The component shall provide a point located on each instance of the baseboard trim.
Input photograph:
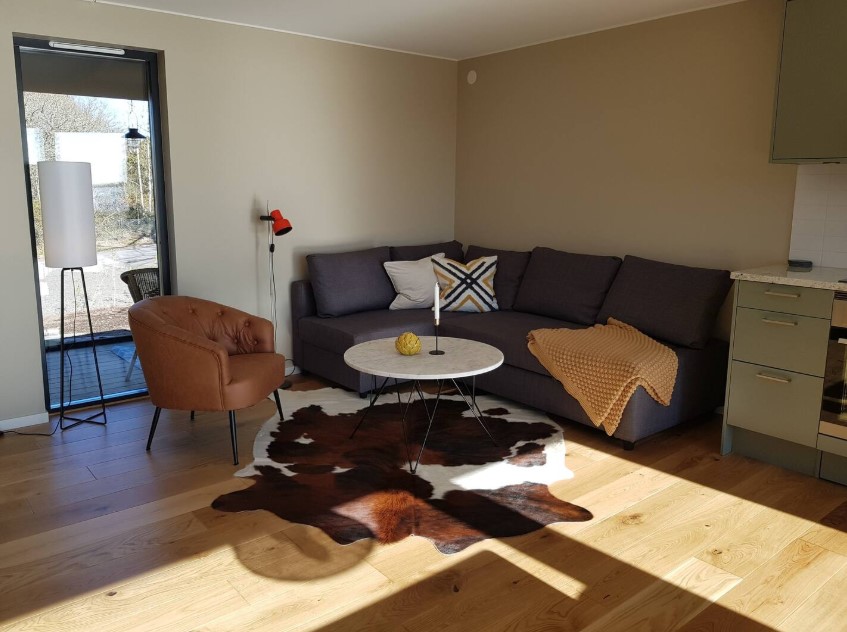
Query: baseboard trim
(23, 422)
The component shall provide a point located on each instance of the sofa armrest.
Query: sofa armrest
(302, 305)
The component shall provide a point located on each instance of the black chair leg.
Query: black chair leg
(192, 415)
(233, 434)
(278, 404)
(153, 427)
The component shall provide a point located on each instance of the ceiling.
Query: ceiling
(452, 29)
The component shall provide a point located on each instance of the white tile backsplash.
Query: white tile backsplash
(835, 227)
(819, 229)
(814, 227)
(834, 243)
(834, 259)
(808, 242)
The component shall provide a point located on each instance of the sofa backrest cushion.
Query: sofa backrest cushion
(565, 285)
(349, 282)
(674, 303)
(511, 266)
(451, 249)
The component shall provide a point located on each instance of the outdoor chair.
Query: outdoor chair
(142, 283)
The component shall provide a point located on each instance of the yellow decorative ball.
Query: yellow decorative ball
(408, 343)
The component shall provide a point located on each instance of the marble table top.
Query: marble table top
(462, 358)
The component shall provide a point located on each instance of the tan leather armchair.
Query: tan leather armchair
(200, 355)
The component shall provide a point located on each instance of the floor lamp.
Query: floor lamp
(277, 226)
(67, 215)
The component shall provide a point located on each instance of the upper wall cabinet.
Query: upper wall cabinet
(811, 111)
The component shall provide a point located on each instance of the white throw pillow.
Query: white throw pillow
(413, 281)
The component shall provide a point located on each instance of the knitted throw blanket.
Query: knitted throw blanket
(602, 366)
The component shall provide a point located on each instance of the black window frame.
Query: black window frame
(152, 59)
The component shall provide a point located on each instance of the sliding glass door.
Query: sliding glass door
(97, 105)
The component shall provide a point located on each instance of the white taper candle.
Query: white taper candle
(437, 303)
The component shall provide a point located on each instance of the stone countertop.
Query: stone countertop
(818, 277)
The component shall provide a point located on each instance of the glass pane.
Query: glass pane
(92, 129)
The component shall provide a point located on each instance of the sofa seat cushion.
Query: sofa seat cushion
(507, 331)
(673, 303)
(565, 285)
(339, 334)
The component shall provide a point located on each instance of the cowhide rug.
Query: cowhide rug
(308, 470)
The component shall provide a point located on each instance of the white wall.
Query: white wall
(356, 145)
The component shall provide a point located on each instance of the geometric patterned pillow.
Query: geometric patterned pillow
(467, 287)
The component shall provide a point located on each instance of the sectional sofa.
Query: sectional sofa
(346, 301)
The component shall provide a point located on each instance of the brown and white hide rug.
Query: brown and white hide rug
(308, 470)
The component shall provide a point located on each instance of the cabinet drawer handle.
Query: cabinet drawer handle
(774, 378)
(781, 294)
(784, 323)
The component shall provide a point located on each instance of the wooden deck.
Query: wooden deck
(97, 534)
(113, 371)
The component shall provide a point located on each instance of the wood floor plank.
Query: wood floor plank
(131, 554)
(279, 586)
(772, 593)
(64, 539)
(44, 482)
(789, 511)
(102, 505)
(823, 607)
(49, 501)
(16, 510)
(831, 531)
(669, 602)
(661, 552)
(152, 601)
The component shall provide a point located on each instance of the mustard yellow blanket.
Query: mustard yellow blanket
(602, 366)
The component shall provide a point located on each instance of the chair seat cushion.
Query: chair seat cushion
(339, 334)
(254, 377)
(507, 331)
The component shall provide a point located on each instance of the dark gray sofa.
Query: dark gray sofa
(542, 289)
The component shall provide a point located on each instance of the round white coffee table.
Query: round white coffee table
(460, 358)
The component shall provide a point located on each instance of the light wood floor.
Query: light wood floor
(96, 534)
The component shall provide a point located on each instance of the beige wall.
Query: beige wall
(651, 139)
(356, 144)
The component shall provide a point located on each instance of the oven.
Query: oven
(834, 404)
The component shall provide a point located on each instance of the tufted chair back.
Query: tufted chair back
(236, 331)
(194, 353)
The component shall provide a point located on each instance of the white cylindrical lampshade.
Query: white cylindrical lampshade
(67, 214)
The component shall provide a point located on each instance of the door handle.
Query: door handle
(773, 378)
(784, 323)
(781, 294)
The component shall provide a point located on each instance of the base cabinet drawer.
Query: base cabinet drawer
(778, 403)
(786, 341)
(786, 299)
